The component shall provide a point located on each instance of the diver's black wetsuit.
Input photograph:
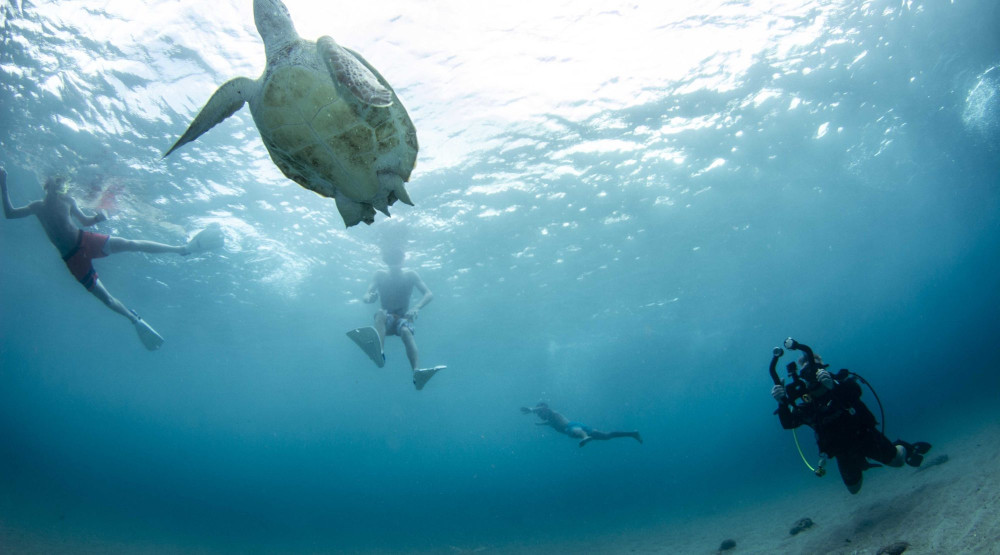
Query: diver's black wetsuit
(845, 429)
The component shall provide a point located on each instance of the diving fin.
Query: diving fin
(367, 338)
(147, 334)
(422, 375)
(210, 238)
(914, 451)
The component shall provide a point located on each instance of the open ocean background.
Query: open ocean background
(621, 207)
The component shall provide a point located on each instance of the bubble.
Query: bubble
(982, 105)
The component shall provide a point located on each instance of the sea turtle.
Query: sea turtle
(329, 120)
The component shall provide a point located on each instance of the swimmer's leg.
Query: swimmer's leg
(147, 334)
(380, 317)
(612, 435)
(118, 244)
(411, 347)
(99, 291)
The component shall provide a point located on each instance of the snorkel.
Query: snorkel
(56, 185)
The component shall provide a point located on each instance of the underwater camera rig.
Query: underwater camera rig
(802, 381)
(797, 388)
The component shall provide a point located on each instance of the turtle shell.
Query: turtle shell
(326, 140)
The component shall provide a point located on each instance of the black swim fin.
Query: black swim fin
(915, 451)
(915, 457)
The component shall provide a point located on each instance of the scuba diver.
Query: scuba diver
(831, 405)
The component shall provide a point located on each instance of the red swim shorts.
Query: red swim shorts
(88, 246)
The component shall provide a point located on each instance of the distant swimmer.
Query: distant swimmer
(573, 429)
(394, 287)
(56, 212)
(831, 405)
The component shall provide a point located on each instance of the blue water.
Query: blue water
(629, 258)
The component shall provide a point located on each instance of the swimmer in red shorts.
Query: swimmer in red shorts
(78, 248)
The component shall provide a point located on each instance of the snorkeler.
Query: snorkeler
(573, 429)
(832, 407)
(394, 287)
(78, 248)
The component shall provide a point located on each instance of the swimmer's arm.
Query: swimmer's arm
(372, 294)
(9, 210)
(535, 410)
(428, 296)
(97, 218)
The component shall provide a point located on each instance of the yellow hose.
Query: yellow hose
(799, 447)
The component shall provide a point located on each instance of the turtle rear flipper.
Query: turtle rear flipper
(354, 212)
(391, 185)
(352, 74)
(225, 102)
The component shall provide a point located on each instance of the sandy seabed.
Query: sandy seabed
(950, 505)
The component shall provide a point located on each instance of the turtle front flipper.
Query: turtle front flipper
(352, 74)
(225, 102)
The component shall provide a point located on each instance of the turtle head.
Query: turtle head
(273, 23)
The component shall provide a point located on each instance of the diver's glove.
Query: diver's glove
(825, 379)
(778, 392)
